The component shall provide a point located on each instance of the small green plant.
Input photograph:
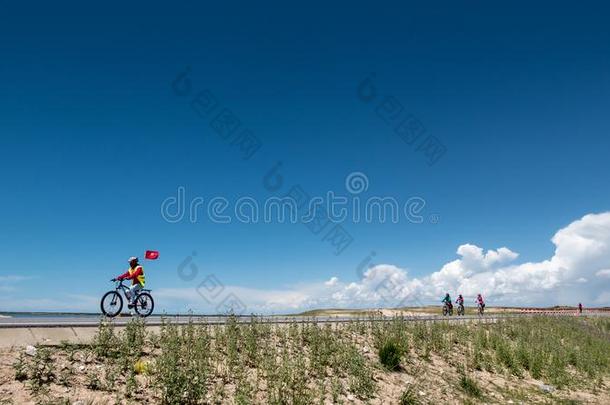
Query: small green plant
(65, 375)
(245, 391)
(390, 354)
(133, 338)
(131, 386)
(93, 381)
(470, 386)
(408, 397)
(105, 342)
(181, 369)
(360, 373)
(111, 374)
(20, 366)
(41, 372)
(336, 389)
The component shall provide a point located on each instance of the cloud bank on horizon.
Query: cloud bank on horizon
(579, 270)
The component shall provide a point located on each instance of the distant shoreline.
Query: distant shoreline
(13, 314)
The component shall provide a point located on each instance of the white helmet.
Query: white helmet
(132, 258)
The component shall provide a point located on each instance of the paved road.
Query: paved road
(92, 321)
(55, 330)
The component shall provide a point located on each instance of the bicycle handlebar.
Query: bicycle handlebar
(117, 281)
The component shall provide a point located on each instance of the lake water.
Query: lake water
(46, 314)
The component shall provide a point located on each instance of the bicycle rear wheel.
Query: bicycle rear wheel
(144, 304)
(111, 304)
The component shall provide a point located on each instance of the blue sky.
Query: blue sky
(94, 140)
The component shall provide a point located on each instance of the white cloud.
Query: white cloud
(11, 278)
(254, 300)
(74, 303)
(332, 282)
(8, 282)
(603, 273)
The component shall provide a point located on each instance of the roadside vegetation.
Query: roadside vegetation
(364, 361)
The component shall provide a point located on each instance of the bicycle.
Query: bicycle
(447, 309)
(481, 308)
(460, 310)
(112, 302)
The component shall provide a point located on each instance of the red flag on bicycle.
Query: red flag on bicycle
(151, 255)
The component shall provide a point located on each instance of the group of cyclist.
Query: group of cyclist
(448, 304)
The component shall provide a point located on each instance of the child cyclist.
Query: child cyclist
(447, 300)
(479, 301)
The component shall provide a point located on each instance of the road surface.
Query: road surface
(55, 330)
(92, 321)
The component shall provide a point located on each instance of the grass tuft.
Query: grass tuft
(470, 386)
(390, 354)
(408, 397)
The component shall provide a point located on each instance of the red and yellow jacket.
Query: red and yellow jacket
(136, 275)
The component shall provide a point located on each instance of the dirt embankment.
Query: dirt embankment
(533, 360)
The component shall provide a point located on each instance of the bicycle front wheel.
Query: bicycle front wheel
(112, 304)
(144, 305)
